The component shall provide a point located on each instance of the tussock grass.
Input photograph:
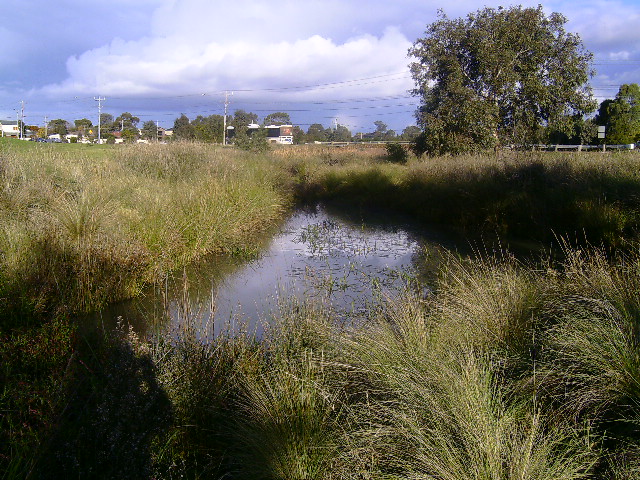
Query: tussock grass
(79, 231)
(84, 227)
(533, 196)
(506, 370)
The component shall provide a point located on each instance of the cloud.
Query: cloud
(176, 65)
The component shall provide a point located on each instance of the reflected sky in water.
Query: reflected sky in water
(341, 262)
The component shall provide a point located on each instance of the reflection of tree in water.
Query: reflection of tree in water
(114, 409)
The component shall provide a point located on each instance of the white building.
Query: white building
(10, 128)
(282, 134)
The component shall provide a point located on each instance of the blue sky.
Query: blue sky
(321, 61)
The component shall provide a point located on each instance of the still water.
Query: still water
(347, 263)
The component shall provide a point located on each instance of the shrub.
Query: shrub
(396, 153)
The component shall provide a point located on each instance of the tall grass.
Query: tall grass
(505, 370)
(80, 228)
(531, 196)
(81, 231)
(426, 388)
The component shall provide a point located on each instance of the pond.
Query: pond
(346, 262)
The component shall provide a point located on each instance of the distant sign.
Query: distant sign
(601, 132)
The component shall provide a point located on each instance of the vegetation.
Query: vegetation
(621, 116)
(534, 363)
(531, 196)
(498, 77)
(504, 371)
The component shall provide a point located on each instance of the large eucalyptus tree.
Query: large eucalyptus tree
(498, 77)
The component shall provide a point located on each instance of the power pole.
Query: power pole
(46, 127)
(157, 128)
(22, 118)
(224, 123)
(99, 100)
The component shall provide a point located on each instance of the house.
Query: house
(282, 134)
(10, 128)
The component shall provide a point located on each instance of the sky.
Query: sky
(327, 62)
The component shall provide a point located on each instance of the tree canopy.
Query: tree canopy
(182, 128)
(149, 130)
(242, 119)
(59, 126)
(277, 118)
(498, 77)
(621, 116)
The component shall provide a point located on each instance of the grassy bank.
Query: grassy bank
(507, 371)
(83, 226)
(532, 196)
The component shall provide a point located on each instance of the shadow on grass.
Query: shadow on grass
(114, 411)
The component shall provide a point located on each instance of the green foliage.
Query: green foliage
(126, 120)
(182, 128)
(59, 126)
(533, 196)
(316, 133)
(396, 153)
(340, 134)
(277, 118)
(621, 116)
(149, 130)
(253, 142)
(410, 133)
(480, 90)
(208, 129)
(242, 119)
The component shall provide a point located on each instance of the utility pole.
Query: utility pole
(224, 123)
(99, 100)
(157, 128)
(46, 127)
(22, 118)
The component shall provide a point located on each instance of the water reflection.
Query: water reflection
(344, 262)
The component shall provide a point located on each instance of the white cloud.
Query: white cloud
(175, 64)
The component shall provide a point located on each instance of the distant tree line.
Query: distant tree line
(209, 129)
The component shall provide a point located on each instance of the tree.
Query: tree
(126, 120)
(182, 128)
(82, 124)
(410, 133)
(106, 123)
(621, 116)
(208, 129)
(242, 119)
(497, 77)
(277, 118)
(149, 130)
(316, 133)
(256, 141)
(381, 130)
(59, 126)
(299, 137)
(340, 134)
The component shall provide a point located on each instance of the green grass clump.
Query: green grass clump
(506, 370)
(529, 196)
